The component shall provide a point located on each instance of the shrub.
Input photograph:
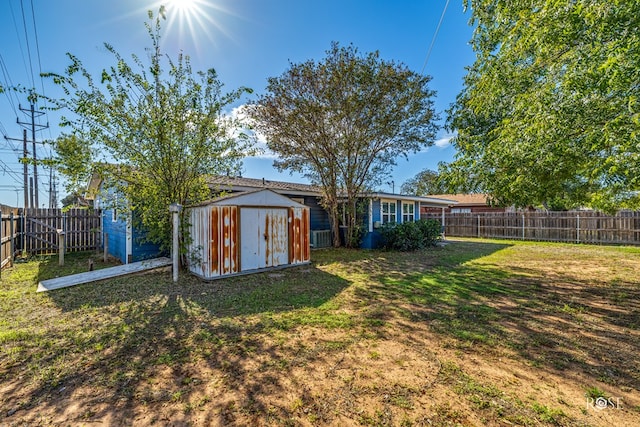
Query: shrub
(410, 236)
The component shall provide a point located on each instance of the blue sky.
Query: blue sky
(246, 41)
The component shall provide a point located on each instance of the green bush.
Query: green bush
(410, 236)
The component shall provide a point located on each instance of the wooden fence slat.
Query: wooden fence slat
(35, 230)
(570, 226)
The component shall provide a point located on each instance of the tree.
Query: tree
(73, 159)
(550, 110)
(425, 182)
(343, 121)
(153, 135)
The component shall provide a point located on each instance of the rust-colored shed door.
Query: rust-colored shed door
(264, 238)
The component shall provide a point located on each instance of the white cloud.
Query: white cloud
(445, 140)
(259, 141)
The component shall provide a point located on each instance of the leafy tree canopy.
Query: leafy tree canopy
(152, 127)
(550, 110)
(425, 182)
(343, 121)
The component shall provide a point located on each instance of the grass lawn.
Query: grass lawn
(479, 332)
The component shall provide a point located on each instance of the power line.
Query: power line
(7, 170)
(26, 36)
(15, 27)
(435, 34)
(35, 32)
(8, 83)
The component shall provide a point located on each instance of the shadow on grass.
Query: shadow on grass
(224, 348)
(136, 340)
(558, 322)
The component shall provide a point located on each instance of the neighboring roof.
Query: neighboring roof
(434, 201)
(256, 198)
(93, 186)
(465, 199)
(234, 183)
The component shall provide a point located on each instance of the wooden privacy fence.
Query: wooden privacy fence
(571, 226)
(8, 227)
(38, 231)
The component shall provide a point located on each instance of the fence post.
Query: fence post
(105, 245)
(12, 245)
(23, 224)
(577, 228)
(61, 247)
(478, 225)
(174, 208)
(1, 243)
(522, 226)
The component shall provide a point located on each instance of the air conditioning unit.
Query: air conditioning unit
(320, 238)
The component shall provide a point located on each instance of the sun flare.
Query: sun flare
(196, 21)
(183, 6)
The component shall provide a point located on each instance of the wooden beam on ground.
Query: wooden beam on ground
(105, 273)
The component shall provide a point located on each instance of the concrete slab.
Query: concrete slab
(105, 273)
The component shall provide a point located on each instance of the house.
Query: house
(388, 207)
(247, 232)
(124, 241)
(382, 207)
(465, 203)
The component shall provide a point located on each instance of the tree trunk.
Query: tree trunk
(334, 222)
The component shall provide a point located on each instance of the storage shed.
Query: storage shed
(247, 232)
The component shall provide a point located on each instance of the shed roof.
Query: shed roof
(257, 198)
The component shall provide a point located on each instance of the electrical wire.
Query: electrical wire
(11, 173)
(8, 83)
(26, 36)
(435, 35)
(35, 32)
(15, 27)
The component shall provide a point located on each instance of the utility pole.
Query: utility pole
(25, 170)
(54, 203)
(33, 125)
(50, 187)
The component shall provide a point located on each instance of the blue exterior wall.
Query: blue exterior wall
(318, 217)
(142, 250)
(117, 235)
(372, 240)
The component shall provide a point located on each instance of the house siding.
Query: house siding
(117, 235)
(142, 249)
(372, 239)
(318, 217)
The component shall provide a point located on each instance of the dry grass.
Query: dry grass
(475, 333)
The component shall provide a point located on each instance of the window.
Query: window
(298, 200)
(114, 209)
(460, 210)
(388, 211)
(408, 212)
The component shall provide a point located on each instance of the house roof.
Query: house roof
(234, 183)
(433, 201)
(465, 199)
(93, 186)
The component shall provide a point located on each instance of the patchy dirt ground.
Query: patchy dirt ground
(475, 333)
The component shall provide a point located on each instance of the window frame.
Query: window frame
(391, 216)
(408, 216)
